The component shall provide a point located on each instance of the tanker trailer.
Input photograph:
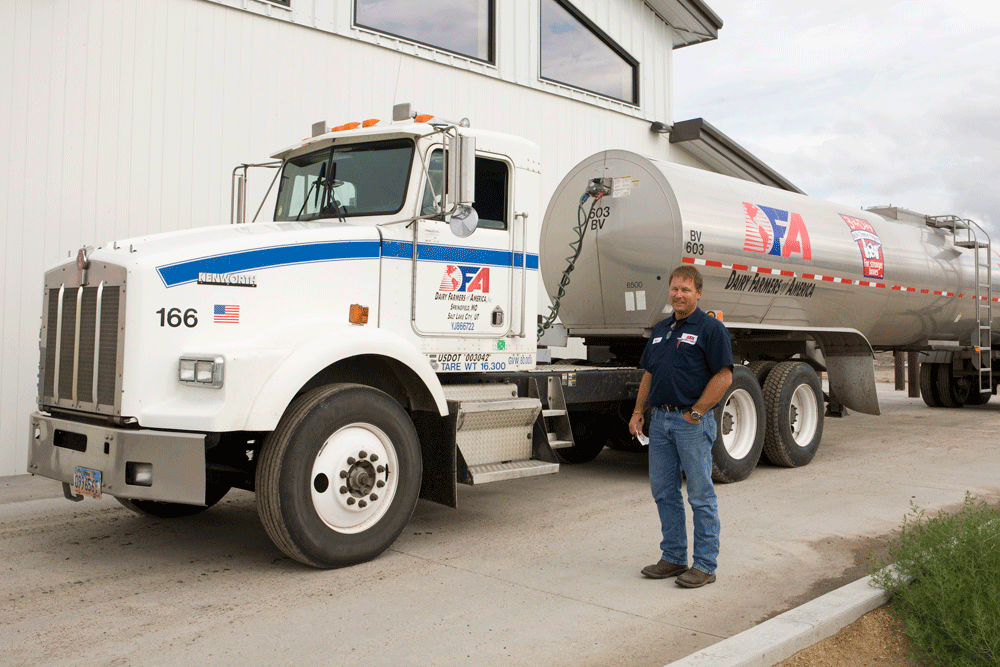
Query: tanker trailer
(803, 285)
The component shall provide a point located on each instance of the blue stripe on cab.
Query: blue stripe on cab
(265, 258)
(185, 272)
(433, 252)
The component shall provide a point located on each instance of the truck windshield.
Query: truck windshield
(345, 181)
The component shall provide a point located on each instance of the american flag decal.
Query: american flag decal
(227, 314)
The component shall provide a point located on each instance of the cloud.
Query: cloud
(861, 102)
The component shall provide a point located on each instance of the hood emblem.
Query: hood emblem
(83, 263)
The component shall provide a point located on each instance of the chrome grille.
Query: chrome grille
(82, 340)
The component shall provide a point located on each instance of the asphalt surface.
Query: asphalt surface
(540, 571)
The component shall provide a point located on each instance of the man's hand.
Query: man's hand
(635, 424)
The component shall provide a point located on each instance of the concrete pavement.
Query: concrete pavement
(527, 572)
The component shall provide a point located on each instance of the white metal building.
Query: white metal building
(124, 119)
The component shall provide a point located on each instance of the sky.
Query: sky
(860, 102)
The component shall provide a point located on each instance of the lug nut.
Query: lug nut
(374, 458)
(350, 501)
(380, 469)
(343, 489)
(362, 455)
(362, 503)
(373, 497)
(380, 484)
(343, 474)
(351, 460)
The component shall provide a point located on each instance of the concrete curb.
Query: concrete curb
(783, 636)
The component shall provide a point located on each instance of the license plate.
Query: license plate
(87, 482)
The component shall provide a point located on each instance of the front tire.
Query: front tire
(338, 479)
(794, 399)
(740, 438)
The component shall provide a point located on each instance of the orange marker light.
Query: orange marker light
(370, 122)
(359, 314)
(346, 126)
(422, 118)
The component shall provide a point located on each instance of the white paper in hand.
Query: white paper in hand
(643, 440)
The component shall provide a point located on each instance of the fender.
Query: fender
(296, 369)
(845, 354)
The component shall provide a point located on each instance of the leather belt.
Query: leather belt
(674, 408)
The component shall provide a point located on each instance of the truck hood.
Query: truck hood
(179, 257)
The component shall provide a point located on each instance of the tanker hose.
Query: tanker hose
(576, 246)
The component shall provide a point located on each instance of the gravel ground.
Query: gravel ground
(877, 638)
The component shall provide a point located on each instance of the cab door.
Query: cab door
(463, 286)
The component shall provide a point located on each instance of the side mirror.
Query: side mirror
(461, 171)
(463, 221)
(461, 187)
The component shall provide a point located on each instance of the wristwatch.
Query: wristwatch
(695, 415)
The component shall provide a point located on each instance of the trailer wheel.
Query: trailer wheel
(740, 438)
(978, 397)
(794, 399)
(338, 479)
(952, 391)
(214, 492)
(928, 385)
(760, 370)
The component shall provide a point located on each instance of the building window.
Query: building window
(465, 27)
(577, 53)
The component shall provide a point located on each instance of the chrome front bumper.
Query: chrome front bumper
(58, 446)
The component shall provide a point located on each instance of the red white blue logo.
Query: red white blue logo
(465, 279)
(872, 260)
(775, 232)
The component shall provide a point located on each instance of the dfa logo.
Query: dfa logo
(465, 279)
(775, 232)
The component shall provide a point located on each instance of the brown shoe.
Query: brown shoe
(663, 569)
(695, 578)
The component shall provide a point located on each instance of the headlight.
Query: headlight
(204, 371)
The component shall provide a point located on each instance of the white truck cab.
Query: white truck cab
(336, 359)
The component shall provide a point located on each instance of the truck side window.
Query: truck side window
(491, 193)
(491, 190)
(434, 187)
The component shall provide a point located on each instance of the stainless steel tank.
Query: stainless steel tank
(768, 256)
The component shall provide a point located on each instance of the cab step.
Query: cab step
(495, 434)
(495, 472)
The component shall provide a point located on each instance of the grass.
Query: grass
(944, 584)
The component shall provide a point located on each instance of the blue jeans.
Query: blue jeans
(676, 445)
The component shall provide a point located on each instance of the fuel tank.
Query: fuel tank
(768, 257)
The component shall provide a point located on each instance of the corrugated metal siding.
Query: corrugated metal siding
(124, 119)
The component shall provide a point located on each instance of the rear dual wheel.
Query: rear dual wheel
(941, 388)
(783, 419)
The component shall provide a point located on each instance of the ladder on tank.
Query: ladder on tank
(968, 234)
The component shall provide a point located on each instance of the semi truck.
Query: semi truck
(377, 340)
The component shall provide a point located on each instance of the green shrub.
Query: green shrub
(944, 584)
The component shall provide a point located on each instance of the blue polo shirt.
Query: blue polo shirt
(684, 359)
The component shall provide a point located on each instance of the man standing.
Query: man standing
(689, 366)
